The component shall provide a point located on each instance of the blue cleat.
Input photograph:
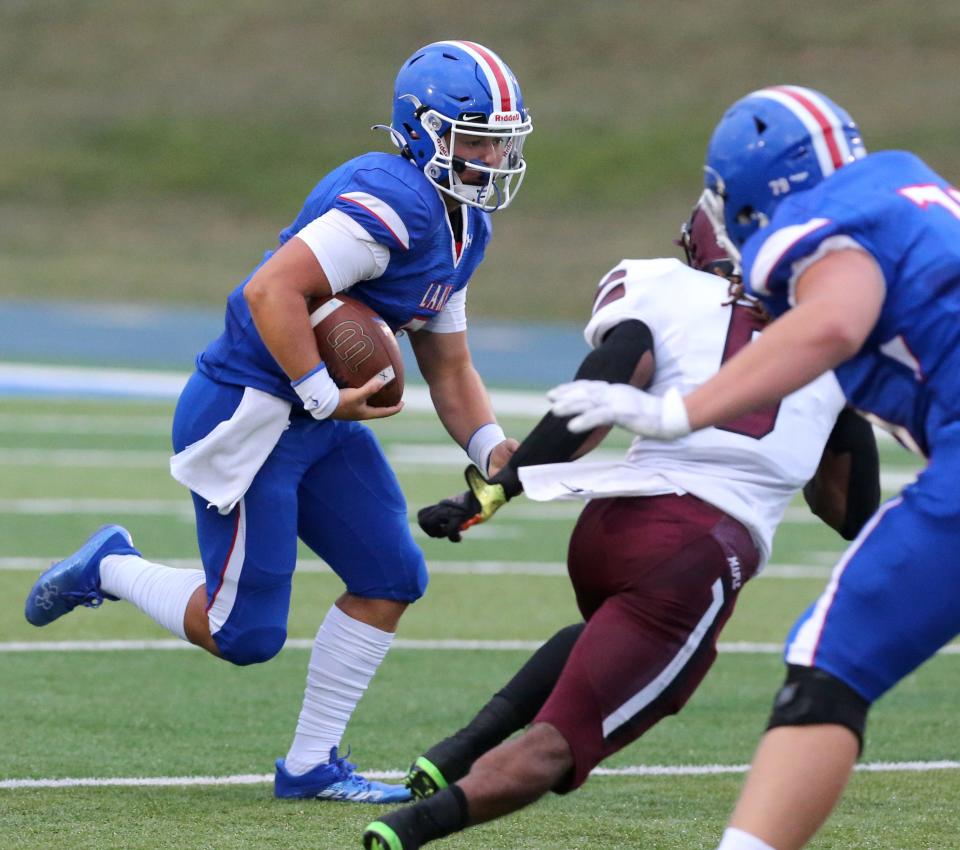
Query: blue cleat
(76, 579)
(335, 780)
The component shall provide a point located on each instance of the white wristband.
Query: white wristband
(482, 443)
(318, 392)
(673, 415)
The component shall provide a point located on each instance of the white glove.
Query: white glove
(600, 403)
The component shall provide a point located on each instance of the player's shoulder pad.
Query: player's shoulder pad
(838, 212)
(630, 277)
(631, 290)
(769, 254)
(391, 199)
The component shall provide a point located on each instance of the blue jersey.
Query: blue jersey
(392, 200)
(907, 374)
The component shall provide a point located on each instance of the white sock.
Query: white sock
(162, 593)
(345, 655)
(737, 839)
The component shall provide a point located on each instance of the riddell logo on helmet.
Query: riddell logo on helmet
(506, 118)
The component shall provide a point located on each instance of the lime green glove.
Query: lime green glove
(451, 516)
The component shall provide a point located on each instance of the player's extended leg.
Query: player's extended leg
(509, 777)
(508, 711)
(76, 580)
(892, 602)
(196, 604)
(248, 554)
(353, 515)
(822, 758)
(655, 578)
(108, 567)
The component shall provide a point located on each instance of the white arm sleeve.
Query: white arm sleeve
(345, 251)
(453, 317)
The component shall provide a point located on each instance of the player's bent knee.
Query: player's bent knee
(811, 696)
(408, 579)
(253, 646)
(415, 570)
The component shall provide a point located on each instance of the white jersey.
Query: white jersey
(751, 467)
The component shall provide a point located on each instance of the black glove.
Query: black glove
(451, 516)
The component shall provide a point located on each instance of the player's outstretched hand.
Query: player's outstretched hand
(594, 403)
(451, 516)
(353, 403)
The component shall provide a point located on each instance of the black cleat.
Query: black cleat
(424, 779)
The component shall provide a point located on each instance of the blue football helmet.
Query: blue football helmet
(772, 143)
(454, 88)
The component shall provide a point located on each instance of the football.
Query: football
(356, 344)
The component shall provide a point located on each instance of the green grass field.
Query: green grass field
(108, 714)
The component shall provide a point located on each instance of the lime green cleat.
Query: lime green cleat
(379, 836)
(424, 779)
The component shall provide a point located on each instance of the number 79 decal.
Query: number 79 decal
(744, 323)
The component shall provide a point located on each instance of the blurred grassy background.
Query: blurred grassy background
(151, 152)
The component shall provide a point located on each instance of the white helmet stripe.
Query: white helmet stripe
(499, 79)
(822, 122)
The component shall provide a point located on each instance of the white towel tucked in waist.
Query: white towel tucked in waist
(222, 465)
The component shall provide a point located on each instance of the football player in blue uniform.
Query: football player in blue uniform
(272, 448)
(859, 256)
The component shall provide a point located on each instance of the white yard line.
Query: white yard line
(556, 512)
(732, 647)
(292, 643)
(53, 507)
(30, 379)
(474, 568)
(401, 455)
(79, 423)
(267, 778)
(85, 458)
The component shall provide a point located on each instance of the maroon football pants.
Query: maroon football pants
(656, 578)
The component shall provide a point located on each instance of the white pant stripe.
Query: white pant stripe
(643, 698)
(226, 594)
(803, 649)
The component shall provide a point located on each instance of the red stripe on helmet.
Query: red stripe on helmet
(498, 74)
(829, 130)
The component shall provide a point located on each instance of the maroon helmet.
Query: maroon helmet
(703, 242)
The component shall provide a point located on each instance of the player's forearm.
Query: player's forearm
(461, 401)
(280, 316)
(838, 302)
(791, 352)
(625, 356)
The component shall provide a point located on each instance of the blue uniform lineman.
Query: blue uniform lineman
(905, 376)
(859, 257)
(273, 450)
